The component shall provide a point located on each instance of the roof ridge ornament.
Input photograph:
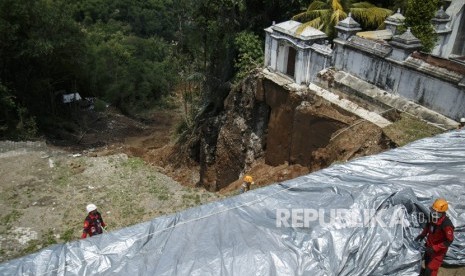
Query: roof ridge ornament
(396, 18)
(347, 27)
(348, 22)
(441, 14)
(407, 38)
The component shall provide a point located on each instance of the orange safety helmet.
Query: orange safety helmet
(440, 205)
(248, 179)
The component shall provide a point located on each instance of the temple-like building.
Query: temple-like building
(389, 59)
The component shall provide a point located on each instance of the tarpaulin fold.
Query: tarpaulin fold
(356, 218)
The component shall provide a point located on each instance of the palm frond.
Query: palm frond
(317, 5)
(336, 16)
(336, 5)
(316, 23)
(372, 17)
(362, 5)
(382, 26)
(346, 4)
(301, 16)
(325, 14)
(310, 15)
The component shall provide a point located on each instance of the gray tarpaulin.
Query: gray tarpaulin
(357, 218)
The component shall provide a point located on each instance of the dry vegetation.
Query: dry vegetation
(44, 192)
(409, 129)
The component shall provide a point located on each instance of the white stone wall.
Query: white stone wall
(268, 54)
(433, 91)
(438, 92)
(283, 52)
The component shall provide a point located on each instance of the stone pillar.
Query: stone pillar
(281, 57)
(440, 23)
(440, 20)
(268, 43)
(299, 73)
(274, 55)
(403, 45)
(270, 49)
(394, 21)
(347, 28)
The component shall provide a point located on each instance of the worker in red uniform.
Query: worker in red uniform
(439, 233)
(93, 224)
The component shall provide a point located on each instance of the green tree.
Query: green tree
(41, 49)
(145, 17)
(211, 37)
(259, 14)
(418, 16)
(250, 55)
(129, 71)
(325, 15)
(390, 4)
(7, 107)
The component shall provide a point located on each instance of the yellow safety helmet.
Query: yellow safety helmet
(440, 205)
(248, 179)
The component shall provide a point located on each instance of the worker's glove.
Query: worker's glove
(419, 238)
(429, 251)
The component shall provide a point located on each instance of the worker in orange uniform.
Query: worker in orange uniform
(93, 224)
(439, 233)
(248, 181)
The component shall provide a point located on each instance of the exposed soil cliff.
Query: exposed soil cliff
(264, 122)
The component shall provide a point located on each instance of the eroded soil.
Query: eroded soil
(44, 189)
(120, 164)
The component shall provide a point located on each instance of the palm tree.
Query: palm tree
(324, 15)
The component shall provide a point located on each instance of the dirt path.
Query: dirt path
(160, 131)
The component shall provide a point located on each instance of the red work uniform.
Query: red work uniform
(439, 236)
(93, 224)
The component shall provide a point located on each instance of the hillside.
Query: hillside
(45, 188)
(130, 169)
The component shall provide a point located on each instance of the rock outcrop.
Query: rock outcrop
(280, 124)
